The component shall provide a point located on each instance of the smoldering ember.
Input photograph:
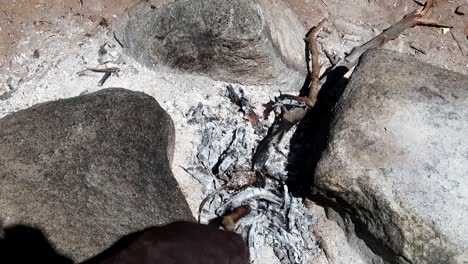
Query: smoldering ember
(234, 131)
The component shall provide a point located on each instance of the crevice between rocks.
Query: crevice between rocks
(308, 143)
(307, 146)
(358, 234)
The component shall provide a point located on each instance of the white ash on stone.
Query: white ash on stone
(276, 221)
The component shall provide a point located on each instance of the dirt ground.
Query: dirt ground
(18, 17)
(44, 43)
(359, 20)
(355, 21)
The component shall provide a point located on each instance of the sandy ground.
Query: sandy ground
(356, 21)
(43, 44)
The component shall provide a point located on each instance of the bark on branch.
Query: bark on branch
(409, 21)
(291, 114)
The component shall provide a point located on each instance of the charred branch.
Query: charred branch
(245, 106)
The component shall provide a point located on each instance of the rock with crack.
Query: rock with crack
(90, 169)
(397, 163)
(244, 41)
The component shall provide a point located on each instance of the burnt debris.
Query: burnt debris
(223, 164)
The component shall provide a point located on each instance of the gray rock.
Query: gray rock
(245, 41)
(397, 160)
(90, 169)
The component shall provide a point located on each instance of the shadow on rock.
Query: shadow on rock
(311, 136)
(23, 244)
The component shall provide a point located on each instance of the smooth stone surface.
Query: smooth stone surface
(244, 41)
(397, 159)
(89, 169)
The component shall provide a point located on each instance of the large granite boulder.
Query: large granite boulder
(397, 160)
(245, 41)
(90, 169)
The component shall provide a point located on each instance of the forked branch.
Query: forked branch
(314, 52)
(314, 74)
(291, 113)
(409, 21)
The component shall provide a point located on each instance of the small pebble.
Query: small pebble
(420, 2)
(462, 9)
(36, 54)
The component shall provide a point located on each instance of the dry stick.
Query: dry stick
(100, 70)
(432, 23)
(7, 17)
(81, 10)
(461, 40)
(104, 78)
(107, 73)
(315, 75)
(290, 117)
(230, 219)
(287, 120)
(411, 20)
(417, 49)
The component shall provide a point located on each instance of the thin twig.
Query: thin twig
(230, 219)
(315, 74)
(417, 49)
(102, 70)
(104, 78)
(81, 10)
(391, 33)
(292, 115)
(432, 23)
(107, 73)
(7, 17)
(461, 40)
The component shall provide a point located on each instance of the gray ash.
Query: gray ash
(228, 140)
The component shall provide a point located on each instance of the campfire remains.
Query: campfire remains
(242, 163)
(272, 218)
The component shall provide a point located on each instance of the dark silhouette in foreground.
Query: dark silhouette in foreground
(176, 243)
(24, 245)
